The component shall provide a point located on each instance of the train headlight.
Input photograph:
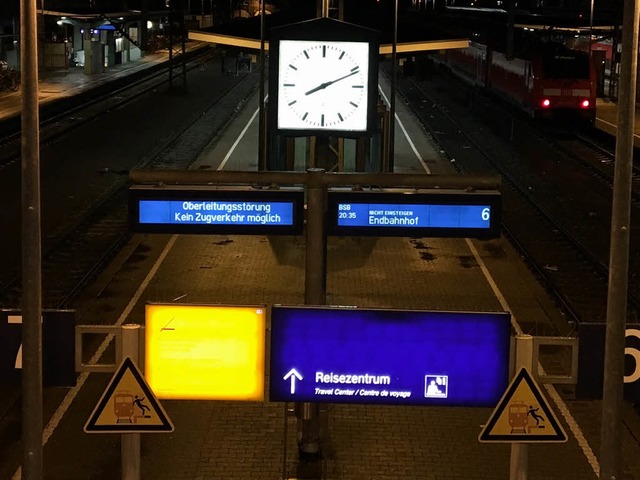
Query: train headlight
(585, 104)
(546, 103)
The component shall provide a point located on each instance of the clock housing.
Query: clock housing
(323, 79)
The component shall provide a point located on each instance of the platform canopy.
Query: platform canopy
(253, 44)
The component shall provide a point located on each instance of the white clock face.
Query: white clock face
(323, 85)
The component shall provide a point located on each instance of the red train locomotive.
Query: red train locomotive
(547, 81)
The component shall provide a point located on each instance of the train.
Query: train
(548, 81)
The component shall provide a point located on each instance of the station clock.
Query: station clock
(323, 85)
(323, 78)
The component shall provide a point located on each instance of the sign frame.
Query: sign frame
(321, 30)
(303, 370)
(128, 365)
(520, 436)
(292, 195)
(173, 390)
(491, 198)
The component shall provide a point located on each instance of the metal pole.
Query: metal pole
(392, 99)
(325, 8)
(612, 397)
(511, 15)
(130, 448)
(31, 249)
(262, 158)
(316, 251)
(519, 460)
(591, 27)
(314, 294)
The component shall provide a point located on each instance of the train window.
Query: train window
(566, 65)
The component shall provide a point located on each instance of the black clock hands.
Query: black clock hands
(324, 85)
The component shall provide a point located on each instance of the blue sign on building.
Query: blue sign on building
(211, 211)
(400, 357)
(434, 214)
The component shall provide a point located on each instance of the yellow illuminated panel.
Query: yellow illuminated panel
(205, 352)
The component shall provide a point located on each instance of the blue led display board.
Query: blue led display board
(414, 213)
(399, 357)
(216, 211)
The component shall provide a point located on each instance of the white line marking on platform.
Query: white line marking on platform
(82, 378)
(564, 410)
(235, 144)
(71, 394)
(406, 134)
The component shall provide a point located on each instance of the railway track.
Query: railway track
(60, 117)
(74, 254)
(556, 210)
(599, 159)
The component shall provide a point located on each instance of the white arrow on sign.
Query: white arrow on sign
(293, 374)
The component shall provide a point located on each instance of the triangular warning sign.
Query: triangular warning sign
(128, 405)
(523, 415)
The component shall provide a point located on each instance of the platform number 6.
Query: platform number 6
(635, 353)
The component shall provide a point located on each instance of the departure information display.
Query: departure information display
(202, 212)
(216, 211)
(414, 214)
(351, 355)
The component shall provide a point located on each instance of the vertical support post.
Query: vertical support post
(144, 31)
(392, 99)
(511, 16)
(519, 461)
(314, 294)
(384, 138)
(130, 448)
(316, 251)
(284, 443)
(262, 158)
(313, 154)
(612, 396)
(591, 29)
(325, 8)
(31, 249)
(341, 154)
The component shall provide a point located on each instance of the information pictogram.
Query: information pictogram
(128, 406)
(523, 416)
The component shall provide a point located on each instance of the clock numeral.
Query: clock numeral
(288, 84)
(357, 86)
(305, 54)
(355, 69)
(291, 66)
(340, 117)
(292, 102)
(354, 104)
(324, 51)
(322, 120)
(341, 55)
(304, 117)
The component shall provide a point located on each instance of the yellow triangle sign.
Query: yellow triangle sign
(128, 405)
(523, 415)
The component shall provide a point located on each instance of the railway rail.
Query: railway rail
(556, 207)
(101, 228)
(552, 248)
(60, 117)
(77, 251)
